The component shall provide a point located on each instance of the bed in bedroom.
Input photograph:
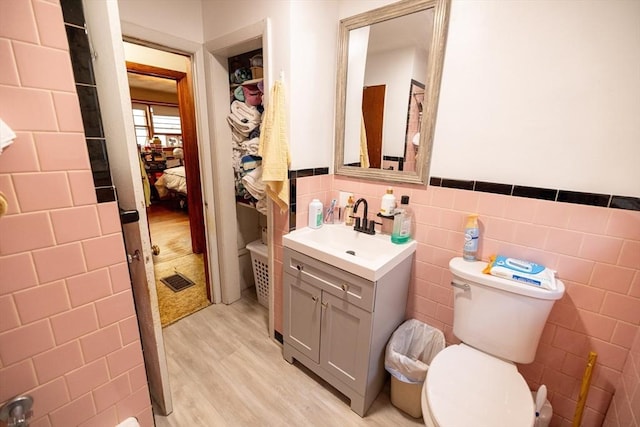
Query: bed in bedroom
(172, 183)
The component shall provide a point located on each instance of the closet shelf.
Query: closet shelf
(246, 83)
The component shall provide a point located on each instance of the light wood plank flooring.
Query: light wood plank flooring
(226, 371)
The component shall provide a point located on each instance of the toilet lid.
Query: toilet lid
(466, 387)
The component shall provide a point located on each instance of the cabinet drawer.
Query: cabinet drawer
(351, 288)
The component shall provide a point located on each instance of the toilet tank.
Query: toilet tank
(501, 317)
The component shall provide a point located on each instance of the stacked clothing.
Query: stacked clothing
(244, 120)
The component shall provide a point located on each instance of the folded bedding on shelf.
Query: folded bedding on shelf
(243, 118)
(253, 183)
(251, 146)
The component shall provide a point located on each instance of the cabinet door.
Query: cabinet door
(302, 313)
(346, 331)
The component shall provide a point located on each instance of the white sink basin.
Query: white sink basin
(372, 257)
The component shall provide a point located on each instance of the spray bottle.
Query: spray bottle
(471, 238)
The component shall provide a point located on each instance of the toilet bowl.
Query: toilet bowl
(476, 383)
(466, 387)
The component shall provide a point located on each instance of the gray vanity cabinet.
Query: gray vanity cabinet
(338, 324)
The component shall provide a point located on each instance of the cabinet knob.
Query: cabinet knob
(324, 304)
(314, 298)
(345, 287)
(299, 267)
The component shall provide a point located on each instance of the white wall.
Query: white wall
(314, 37)
(303, 46)
(394, 69)
(542, 93)
(181, 19)
(357, 60)
(534, 93)
(347, 8)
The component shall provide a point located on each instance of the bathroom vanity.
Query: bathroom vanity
(338, 324)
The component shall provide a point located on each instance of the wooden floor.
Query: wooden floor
(226, 371)
(169, 229)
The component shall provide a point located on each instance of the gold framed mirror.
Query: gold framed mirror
(389, 71)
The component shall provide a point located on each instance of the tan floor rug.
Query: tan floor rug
(170, 231)
(176, 305)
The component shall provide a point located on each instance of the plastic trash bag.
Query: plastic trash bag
(411, 349)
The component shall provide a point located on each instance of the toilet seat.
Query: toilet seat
(466, 387)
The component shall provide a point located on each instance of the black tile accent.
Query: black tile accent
(320, 171)
(293, 185)
(457, 183)
(623, 202)
(90, 109)
(72, 12)
(99, 162)
(400, 161)
(278, 336)
(591, 199)
(80, 55)
(105, 194)
(101, 179)
(534, 192)
(493, 187)
(356, 164)
(292, 221)
(302, 173)
(435, 181)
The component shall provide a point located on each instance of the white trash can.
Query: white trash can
(409, 352)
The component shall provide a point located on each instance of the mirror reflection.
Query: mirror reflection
(387, 68)
(388, 83)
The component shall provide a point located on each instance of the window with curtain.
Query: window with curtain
(151, 120)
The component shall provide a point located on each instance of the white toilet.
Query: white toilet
(499, 322)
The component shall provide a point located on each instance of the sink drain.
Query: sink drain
(351, 252)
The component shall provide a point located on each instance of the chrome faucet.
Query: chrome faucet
(363, 224)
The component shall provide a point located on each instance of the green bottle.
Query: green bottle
(402, 222)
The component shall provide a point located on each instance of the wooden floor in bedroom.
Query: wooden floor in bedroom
(225, 371)
(169, 229)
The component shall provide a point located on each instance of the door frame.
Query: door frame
(154, 39)
(216, 53)
(191, 157)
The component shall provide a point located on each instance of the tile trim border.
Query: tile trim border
(591, 199)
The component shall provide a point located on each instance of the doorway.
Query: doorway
(373, 116)
(164, 121)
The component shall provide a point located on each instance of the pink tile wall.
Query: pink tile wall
(68, 327)
(625, 406)
(594, 250)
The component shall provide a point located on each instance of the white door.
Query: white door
(115, 105)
